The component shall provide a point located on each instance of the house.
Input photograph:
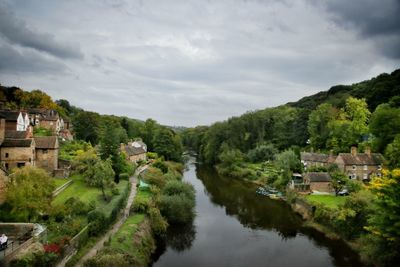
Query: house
(15, 120)
(318, 181)
(311, 160)
(46, 148)
(46, 118)
(136, 151)
(360, 166)
(17, 153)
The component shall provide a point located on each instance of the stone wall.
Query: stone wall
(3, 183)
(321, 186)
(47, 159)
(360, 172)
(18, 155)
(136, 158)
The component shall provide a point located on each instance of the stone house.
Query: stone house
(135, 151)
(360, 166)
(46, 148)
(310, 159)
(318, 181)
(17, 153)
(46, 118)
(15, 120)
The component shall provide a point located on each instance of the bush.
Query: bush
(262, 153)
(177, 208)
(76, 206)
(124, 176)
(161, 165)
(141, 205)
(155, 177)
(177, 187)
(157, 222)
(97, 222)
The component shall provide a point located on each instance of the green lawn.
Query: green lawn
(123, 238)
(327, 200)
(84, 192)
(60, 181)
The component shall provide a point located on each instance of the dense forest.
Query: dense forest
(365, 113)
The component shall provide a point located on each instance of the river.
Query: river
(236, 227)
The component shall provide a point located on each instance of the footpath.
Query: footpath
(100, 244)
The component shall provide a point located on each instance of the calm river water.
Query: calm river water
(236, 227)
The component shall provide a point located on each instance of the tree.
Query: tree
(86, 126)
(318, 123)
(109, 148)
(393, 153)
(339, 180)
(148, 131)
(37, 99)
(385, 125)
(29, 192)
(262, 153)
(383, 223)
(102, 176)
(168, 144)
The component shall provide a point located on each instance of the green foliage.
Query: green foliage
(39, 131)
(161, 165)
(35, 259)
(29, 192)
(392, 153)
(339, 181)
(177, 202)
(385, 125)
(70, 149)
(262, 153)
(157, 222)
(318, 122)
(86, 126)
(167, 144)
(154, 176)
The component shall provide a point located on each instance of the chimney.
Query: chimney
(2, 129)
(354, 151)
(367, 150)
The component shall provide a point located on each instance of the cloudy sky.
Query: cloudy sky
(193, 62)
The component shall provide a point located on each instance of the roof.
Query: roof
(318, 157)
(318, 177)
(46, 142)
(10, 115)
(362, 159)
(17, 142)
(12, 134)
(131, 150)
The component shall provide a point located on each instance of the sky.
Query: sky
(193, 62)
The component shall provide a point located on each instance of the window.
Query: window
(20, 164)
(353, 176)
(365, 176)
(354, 167)
(380, 167)
(6, 165)
(365, 167)
(6, 155)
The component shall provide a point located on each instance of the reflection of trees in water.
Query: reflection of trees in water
(181, 237)
(254, 211)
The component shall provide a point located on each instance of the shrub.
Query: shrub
(157, 222)
(177, 208)
(262, 153)
(124, 176)
(155, 177)
(177, 187)
(76, 206)
(97, 222)
(141, 205)
(161, 165)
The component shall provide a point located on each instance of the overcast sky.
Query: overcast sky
(193, 62)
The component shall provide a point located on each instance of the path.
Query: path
(100, 244)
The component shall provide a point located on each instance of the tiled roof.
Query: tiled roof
(318, 177)
(362, 159)
(12, 134)
(131, 151)
(46, 142)
(17, 143)
(318, 157)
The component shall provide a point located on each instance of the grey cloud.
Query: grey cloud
(17, 32)
(378, 20)
(13, 61)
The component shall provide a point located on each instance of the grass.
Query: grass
(60, 181)
(123, 238)
(327, 200)
(142, 194)
(85, 193)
